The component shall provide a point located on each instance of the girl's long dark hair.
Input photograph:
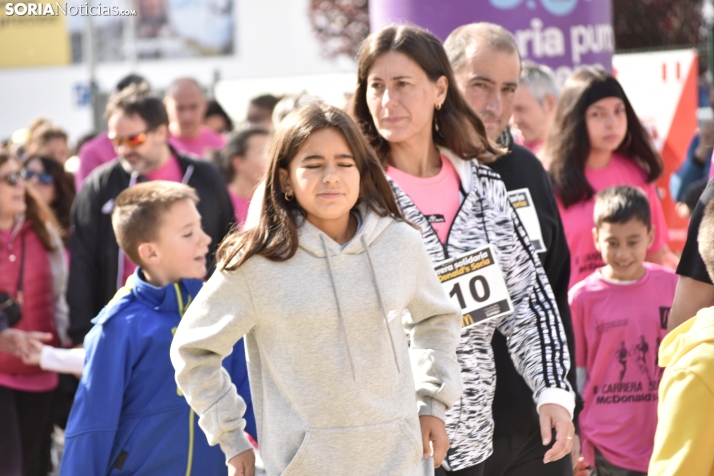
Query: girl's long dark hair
(64, 192)
(456, 126)
(276, 237)
(568, 144)
(37, 213)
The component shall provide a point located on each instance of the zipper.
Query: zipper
(191, 413)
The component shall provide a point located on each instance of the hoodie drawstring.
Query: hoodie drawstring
(381, 302)
(339, 307)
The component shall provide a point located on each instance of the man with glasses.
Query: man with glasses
(138, 128)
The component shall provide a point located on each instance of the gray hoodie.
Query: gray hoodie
(337, 387)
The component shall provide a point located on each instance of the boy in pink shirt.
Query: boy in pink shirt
(620, 318)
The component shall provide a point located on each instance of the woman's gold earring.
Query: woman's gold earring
(438, 107)
(288, 197)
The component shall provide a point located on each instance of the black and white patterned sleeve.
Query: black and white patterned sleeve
(536, 338)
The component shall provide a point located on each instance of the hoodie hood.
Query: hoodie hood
(681, 340)
(316, 242)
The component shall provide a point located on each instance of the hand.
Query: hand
(706, 136)
(32, 353)
(15, 341)
(555, 416)
(580, 467)
(433, 431)
(242, 464)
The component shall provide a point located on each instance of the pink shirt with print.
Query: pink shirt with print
(578, 219)
(437, 197)
(200, 145)
(618, 329)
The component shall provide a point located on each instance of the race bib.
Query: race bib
(523, 203)
(475, 282)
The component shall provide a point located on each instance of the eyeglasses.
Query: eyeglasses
(43, 177)
(13, 178)
(132, 141)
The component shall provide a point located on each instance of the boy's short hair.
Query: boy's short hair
(705, 238)
(621, 204)
(137, 212)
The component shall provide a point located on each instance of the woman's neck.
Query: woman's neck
(7, 222)
(242, 187)
(418, 157)
(598, 159)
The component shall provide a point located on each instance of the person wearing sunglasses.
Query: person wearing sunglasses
(33, 275)
(54, 186)
(138, 127)
(99, 150)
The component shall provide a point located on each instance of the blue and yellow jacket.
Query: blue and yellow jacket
(128, 415)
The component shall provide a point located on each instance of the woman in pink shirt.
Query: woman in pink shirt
(242, 163)
(33, 276)
(597, 142)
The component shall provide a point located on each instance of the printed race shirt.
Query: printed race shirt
(618, 329)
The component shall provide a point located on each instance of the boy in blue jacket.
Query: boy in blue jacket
(128, 415)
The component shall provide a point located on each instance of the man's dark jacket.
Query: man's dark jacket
(513, 408)
(94, 263)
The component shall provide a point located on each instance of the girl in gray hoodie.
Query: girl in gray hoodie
(350, 337)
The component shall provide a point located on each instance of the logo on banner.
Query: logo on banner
(505, 4)
(559, 7)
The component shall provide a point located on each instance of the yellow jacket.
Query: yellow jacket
(684, 442)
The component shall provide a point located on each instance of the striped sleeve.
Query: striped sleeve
(536, 338)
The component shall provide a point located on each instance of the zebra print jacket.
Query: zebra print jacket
(535, 335)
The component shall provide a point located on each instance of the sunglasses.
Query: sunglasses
(43, 177)
(132, 141)
(13, 178)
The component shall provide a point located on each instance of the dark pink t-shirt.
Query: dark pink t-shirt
(93, 153)
(578, 219)
(618, 329)
(437, 197)
(171, 172)
(207, 140)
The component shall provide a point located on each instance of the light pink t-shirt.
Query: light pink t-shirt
(711, 167)
(578, 219)
(207, 140)
(437, 197)
(93, 153)
(171, 172)
(618, 329)
(240, 207)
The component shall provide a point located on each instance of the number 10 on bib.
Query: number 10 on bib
(475, 282)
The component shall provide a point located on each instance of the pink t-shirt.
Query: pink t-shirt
(240, 207)
(171, 172)
(93, 153)
(437, 197)
(578, 219)
(207, 140)
(534, 146)
(618, 329)
(711, 167)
